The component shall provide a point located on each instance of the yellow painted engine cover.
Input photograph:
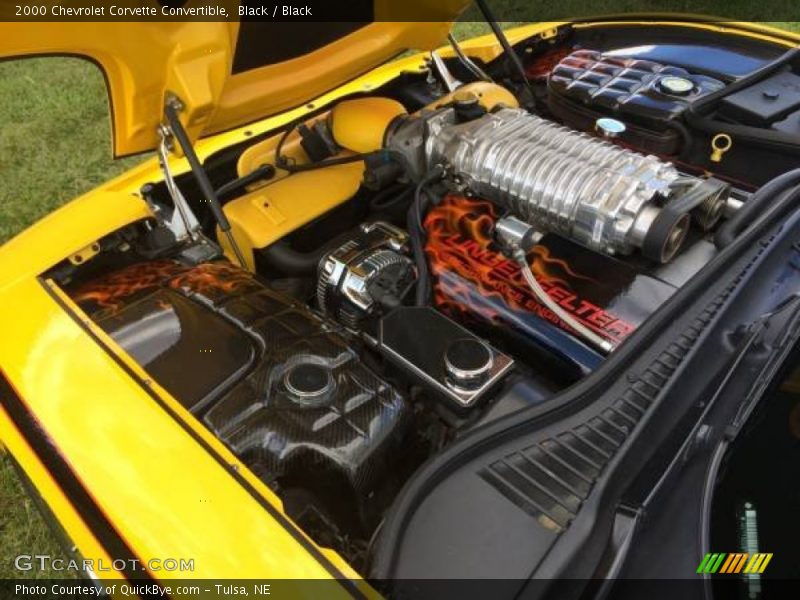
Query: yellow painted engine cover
(262, 217)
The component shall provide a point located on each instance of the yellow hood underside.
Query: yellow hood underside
(144, 61)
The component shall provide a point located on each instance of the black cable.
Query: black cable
(700, 114)
(416, 234)
(760, 202)
(686, 136)
(176, 127)
(264, 172)
(332, 162)
(501, 37)
(282, 162)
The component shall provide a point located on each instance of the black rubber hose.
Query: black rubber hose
(282, 257)
(293, 262)
(687, 139)
(391, 203)
(758, 202)
(416, 234)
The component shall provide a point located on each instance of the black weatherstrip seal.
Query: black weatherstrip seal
(61, 472)
(346, 583)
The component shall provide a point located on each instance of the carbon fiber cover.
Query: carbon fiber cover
(279, 385)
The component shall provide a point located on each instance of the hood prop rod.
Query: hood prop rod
(171, 109)
(501, 37)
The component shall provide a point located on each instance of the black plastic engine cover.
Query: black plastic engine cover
(281, 387)
(646, 95)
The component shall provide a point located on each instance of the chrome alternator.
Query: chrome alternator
(606, 197)
(367, 272)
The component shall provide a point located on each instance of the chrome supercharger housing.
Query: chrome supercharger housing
(601, 195)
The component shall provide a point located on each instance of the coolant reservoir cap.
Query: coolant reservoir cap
(468, 362)
(308, 383)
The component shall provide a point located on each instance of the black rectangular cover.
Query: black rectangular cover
(764, 102)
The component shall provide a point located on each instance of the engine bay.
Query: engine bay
(420, 261)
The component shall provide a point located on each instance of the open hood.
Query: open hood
(226, 74)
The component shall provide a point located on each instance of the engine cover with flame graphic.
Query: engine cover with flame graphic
(476, 284)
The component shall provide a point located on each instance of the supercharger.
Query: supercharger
(595, 192)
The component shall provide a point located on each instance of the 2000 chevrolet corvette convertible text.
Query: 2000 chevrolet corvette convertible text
(465, 314)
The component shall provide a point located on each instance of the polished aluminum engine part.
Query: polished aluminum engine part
(560, 180)
(514, 124)
(363, 273)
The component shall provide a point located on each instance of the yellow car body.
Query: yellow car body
(124, 468)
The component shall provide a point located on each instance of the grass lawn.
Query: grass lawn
(55, 145)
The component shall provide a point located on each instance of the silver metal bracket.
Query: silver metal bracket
(183, 223)
(450, 81)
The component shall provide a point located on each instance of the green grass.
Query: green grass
(560, 10)
(22, 529)
(56, 140)
(55, 145)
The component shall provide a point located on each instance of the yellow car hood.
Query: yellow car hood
(226, 74)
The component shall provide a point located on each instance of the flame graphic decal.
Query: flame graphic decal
(110, 293)
(473, 278)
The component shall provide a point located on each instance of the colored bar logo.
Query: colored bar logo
(734, 563)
